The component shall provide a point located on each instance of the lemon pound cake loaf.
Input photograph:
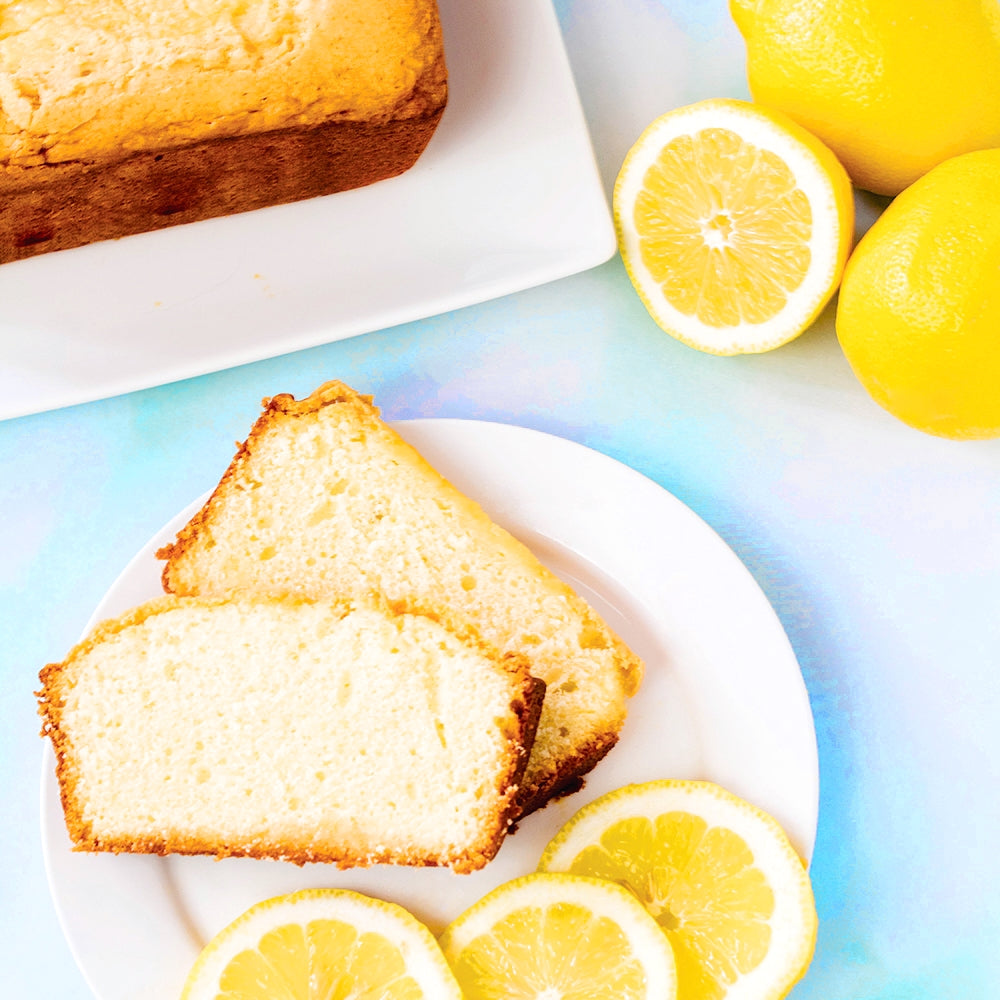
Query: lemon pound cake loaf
(325, 499)
(122, 118)
(288, 729)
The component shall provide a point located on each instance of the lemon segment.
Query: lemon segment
(549, 937)
(718, 875)
(321, 944)
(734, 225)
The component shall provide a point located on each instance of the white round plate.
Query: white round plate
(723, 699)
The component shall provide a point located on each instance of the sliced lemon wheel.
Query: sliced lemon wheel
(321, 944)
(719, 876)
(549, 937)
(734, 224)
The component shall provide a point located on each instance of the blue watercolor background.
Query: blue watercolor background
(879, 547)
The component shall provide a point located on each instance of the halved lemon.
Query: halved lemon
(320, 944)
(548, 937)
(719, 876)
(734, 224)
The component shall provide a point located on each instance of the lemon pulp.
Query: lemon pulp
(321, 959)
(724, 228)
(689, 876)
(558, 950)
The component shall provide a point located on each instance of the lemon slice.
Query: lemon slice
(548, 937)
(734, 224)
(321, 944)
(718, 874)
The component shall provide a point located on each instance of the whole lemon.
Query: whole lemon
(919, 309)
(893, 87)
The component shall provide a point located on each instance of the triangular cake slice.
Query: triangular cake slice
(325, 499)
(289, 729)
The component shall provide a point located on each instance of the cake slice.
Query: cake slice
(324, 499)
(289, 729)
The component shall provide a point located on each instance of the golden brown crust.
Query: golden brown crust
(328, 394)
(568, 777)
(58, 678)
(51, 701)
(527, 709)
(81, 203)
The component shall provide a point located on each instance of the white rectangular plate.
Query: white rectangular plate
(506, 196)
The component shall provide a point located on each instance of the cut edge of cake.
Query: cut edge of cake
(56, 679)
